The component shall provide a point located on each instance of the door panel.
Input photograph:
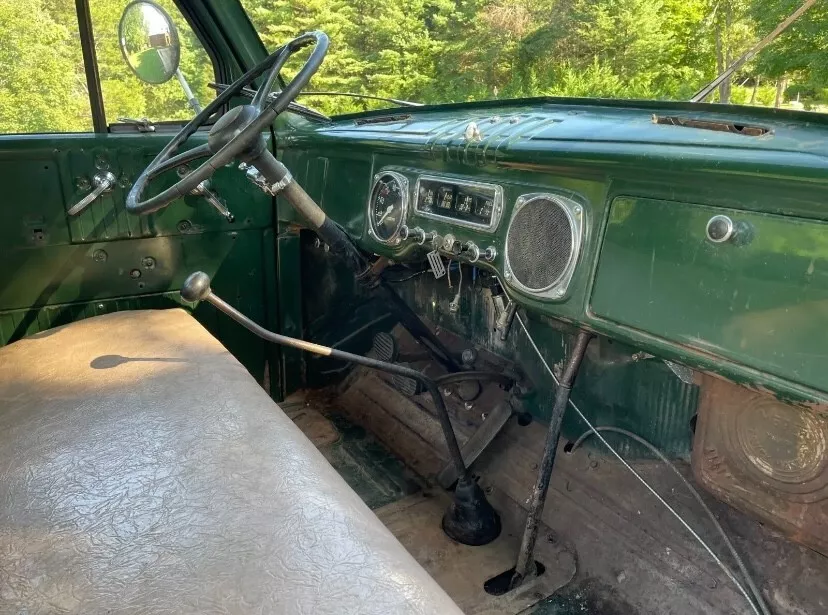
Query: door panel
(58, 269)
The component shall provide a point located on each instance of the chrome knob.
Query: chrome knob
(720, 229)
(414, 234)
(489, 254)
(471, 251)
(429, 237)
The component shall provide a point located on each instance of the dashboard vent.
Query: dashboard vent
(719, 126)
(542, 244)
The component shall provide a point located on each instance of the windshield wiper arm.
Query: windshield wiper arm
(708, 89)
(396, 101)
(250, 92)
(294, 106)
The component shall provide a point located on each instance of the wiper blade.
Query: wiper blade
(396, 101)
(250, 92)
(749, 55)
(294, 106)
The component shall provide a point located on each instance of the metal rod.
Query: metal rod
(188, 92)
(453, 447)
(525, 566)
(724, 567)
(750, 53)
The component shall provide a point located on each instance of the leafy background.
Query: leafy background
(434, 51)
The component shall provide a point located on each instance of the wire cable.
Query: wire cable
(724, 567)
(757, 595)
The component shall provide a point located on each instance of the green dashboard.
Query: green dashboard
(640, 185)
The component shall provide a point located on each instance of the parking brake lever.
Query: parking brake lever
(470, 519)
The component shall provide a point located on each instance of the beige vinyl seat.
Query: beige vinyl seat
(143, 470)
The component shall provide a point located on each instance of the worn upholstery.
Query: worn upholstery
(142, 470)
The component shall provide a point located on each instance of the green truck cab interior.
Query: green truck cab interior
(695, 257)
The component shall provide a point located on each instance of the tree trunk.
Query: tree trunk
(755, 87)
(724, 89)
(781, 85)
(719, 57)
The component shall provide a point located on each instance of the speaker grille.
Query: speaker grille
(540, 243)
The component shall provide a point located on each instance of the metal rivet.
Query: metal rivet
(148, 262)
(135, 273)
(99, 256)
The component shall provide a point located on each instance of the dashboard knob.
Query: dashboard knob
(471, 251)
(429, 237)
(489, 254)
(720, 229)
(414, 234)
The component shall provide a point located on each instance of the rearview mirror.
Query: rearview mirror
(149, 42)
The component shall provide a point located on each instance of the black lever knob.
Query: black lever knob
(196, 287)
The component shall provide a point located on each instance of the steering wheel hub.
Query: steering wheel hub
(230, 125)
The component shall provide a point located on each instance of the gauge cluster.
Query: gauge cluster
(457, 202)
(463, 203)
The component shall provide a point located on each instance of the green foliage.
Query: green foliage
(430, 51)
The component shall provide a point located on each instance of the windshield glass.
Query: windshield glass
(435, 51)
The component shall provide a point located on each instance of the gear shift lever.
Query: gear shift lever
(470, 519)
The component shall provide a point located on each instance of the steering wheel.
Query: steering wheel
(238, 133)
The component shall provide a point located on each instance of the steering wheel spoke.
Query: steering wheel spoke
(238, 133)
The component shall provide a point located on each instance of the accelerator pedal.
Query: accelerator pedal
(384, 348)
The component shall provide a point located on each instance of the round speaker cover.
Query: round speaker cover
(540, 243)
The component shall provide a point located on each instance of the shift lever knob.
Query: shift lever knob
(196, 287)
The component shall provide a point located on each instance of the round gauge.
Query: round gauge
(388, 205)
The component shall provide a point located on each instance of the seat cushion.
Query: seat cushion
(143, 470)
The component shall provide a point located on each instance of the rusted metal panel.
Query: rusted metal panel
(765, 457)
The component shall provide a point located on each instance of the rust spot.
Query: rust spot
(765, 457)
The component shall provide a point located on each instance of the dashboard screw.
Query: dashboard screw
(135, 273)
(148, 262)
(99, 256)
(184, 226)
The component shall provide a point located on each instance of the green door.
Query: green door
(57, 145)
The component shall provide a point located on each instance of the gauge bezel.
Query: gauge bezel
(394, 239)
(497, 210)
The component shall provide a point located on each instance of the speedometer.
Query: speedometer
(388, 205)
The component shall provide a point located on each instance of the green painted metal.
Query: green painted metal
(594, 152)
(58, 269)
(760, 300)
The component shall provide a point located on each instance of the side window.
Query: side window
(43, 84)
(127, 96)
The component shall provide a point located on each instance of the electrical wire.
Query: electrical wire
(724, 567)
(757, 595)
(455, 303)
(409, 277)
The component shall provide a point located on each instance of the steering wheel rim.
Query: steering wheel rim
(264, 109)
